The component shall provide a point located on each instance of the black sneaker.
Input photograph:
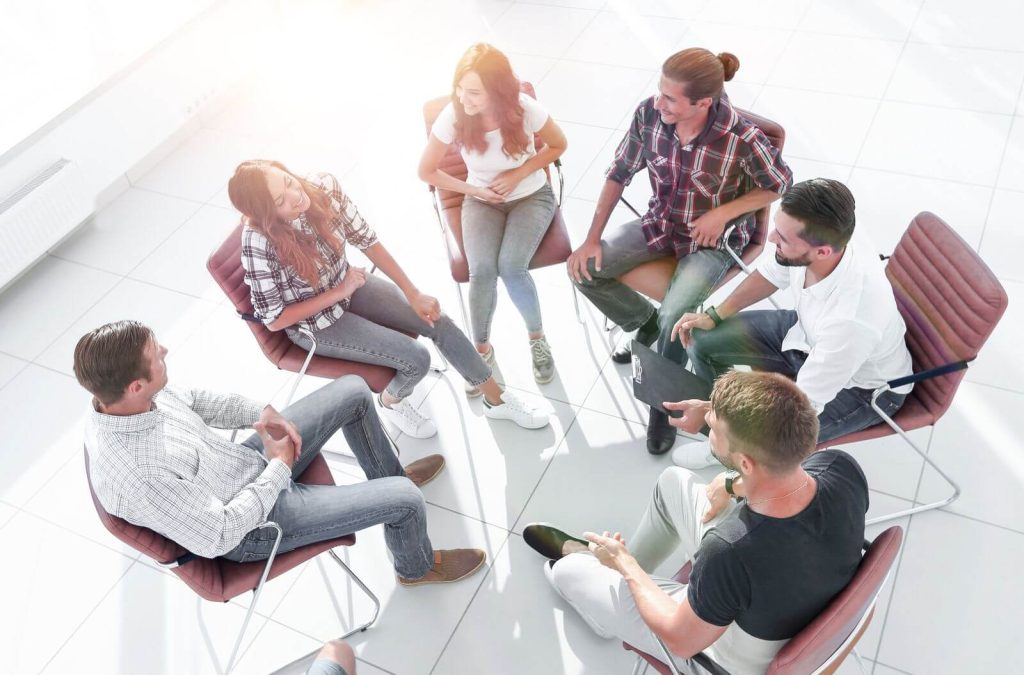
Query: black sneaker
(661, 435)
(646, 335)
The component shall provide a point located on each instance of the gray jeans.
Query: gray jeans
(373, 330)
(754, 338)
(500, 240)
(312, 513)
(624, 248)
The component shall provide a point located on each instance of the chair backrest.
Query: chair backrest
(949, 299)
(225, 266)
(777, 135)
(452, 163)
(218, 579)
(833, 630)
(203, 575)
(833, 633)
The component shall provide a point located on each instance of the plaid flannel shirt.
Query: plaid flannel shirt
(728, 159)
(167, 470)
(274, 285)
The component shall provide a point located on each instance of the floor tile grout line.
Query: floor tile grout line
(999, 168)
(190, 200)
(886, 99)
(996, 386)
(898, 670)
(561, 54)
(981, 521)
(121, 279)
(27, 510)
(472, 599)
(87, 616)
(319, 640)
(895, 578)
(88, 309)
(544, 473)
(888, 84)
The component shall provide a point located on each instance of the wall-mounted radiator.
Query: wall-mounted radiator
(39, 214)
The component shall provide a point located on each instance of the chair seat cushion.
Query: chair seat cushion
(377, 377)
(913, 415)
(237, 578)
(553, 249)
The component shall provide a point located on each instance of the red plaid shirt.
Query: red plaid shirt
(728, 159)
(273, 285)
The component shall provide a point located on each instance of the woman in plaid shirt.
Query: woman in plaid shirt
(293, 251)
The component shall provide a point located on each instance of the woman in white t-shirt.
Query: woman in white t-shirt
(509, 202)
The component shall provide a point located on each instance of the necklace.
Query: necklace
(788, 494)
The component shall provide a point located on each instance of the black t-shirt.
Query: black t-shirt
(772, 576)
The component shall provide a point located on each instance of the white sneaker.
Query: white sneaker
(472, 391)
(408, 420)
(694, 456)
(515, 409)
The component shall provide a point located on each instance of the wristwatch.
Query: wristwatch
(729, 479)
(713, 313)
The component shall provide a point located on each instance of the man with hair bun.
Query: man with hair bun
(771, 544)
(709, 168)
(843, 339)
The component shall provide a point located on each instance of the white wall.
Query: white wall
(131, 118)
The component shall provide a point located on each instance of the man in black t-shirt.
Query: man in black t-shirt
(762, 568)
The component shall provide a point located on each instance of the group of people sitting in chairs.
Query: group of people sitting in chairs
(773, 538)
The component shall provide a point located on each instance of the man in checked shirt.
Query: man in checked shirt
(709, 169)
(155, 461)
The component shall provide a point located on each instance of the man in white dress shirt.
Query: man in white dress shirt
(843, 340)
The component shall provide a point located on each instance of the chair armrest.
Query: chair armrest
(928, 374)
(630, 207)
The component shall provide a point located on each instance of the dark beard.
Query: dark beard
(791, 262)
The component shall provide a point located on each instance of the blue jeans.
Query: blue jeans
(312, 513)
(624, 248)
(754, 339)
(374, 329)
(500, 240)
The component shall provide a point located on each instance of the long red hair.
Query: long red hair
(502, 87)
(249, 193)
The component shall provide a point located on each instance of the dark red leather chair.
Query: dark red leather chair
(822, 645)
(218, 579)
(553, 249)
(225, 266)
(951, 302)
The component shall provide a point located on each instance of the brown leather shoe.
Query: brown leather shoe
(451, 565)
(422, 471)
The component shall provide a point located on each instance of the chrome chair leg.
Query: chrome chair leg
(443, 368)
(576, 304)
(906, 437)
(359, 582)
(256, 593)
(358, 629)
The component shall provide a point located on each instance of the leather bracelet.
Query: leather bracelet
(713, 313)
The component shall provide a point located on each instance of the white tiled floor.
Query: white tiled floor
(913, 102)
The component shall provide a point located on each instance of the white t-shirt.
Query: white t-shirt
(484, 167)
(848, 324)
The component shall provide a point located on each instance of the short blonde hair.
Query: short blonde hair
(768, 418)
